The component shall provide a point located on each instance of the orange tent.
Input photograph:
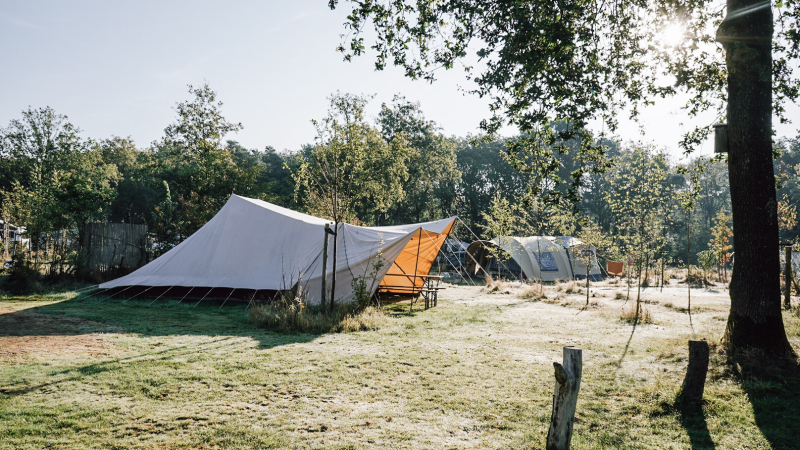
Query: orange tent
(408, 271)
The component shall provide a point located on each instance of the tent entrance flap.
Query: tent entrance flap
(409, 269)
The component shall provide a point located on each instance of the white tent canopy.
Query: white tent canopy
(252, 244)
(540, 258)
(546, 258)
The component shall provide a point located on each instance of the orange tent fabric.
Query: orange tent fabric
(416, 259)
(615, 268)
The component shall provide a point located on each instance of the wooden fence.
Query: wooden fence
(110, 247)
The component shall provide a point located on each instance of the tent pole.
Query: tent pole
(416, 263)
(325, 263)
(333, 275)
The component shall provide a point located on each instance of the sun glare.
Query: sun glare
(672, 35)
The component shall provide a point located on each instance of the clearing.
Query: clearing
(474, 372)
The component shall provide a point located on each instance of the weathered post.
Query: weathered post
(565, 398)
(787, 277)
(695, 381)
(325, 265)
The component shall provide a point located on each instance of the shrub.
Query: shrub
(533, 292)
(619, 296)
(290, 314)
(497, 286)
(23, 278)
(629, 315)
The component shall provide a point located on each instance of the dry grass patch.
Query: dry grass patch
(629, 314)
(498, 286)
(569, 287)
(533, 292)
(289, 314)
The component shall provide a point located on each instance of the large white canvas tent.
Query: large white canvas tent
(540, 258)
(255, 245)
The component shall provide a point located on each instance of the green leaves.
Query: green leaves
(576, 61)
(352, 173)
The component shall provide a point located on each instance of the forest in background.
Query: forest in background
(397, 168)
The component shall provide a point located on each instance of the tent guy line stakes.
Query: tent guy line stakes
(473, 258)
(476, 261)
(209, 291)
(140, 293)
(184, 295)
(99, 291)
(115, 293)
(226, 298)
(250, 303)
(162, 294)
(85, 288)
(466, 275)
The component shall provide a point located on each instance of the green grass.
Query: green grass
(466, 374)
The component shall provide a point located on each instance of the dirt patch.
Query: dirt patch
(26, 333)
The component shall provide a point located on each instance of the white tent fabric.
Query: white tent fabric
(571, 244)
(252, 244)
(547, 258)
(540, 258)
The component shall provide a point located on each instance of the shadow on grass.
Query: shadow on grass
(165, 317)
(774, 392)
(693, 420)
(635, 322)
(84, 315)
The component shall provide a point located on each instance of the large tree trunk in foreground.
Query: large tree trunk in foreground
(755, 318)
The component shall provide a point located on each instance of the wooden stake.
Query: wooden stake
(565, 398)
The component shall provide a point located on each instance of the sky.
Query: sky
(119, 68)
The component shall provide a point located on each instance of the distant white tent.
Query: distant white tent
(541, 258)
(572, 246)
(255, 245)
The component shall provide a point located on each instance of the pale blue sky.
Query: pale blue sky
(118, 68)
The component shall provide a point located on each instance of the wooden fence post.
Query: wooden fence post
(565, 398)
(695, 381)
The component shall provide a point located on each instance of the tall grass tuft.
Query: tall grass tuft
(629, 315)
(291, 314)
(533, 292)
(497, 286)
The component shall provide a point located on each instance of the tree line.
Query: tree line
(397, 168)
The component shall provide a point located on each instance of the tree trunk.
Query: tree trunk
(755, 319)
(688, 262)
(565, 399)
(587, 280)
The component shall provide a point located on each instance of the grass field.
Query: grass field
(474, 372)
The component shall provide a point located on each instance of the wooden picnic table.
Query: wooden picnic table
(430, 288)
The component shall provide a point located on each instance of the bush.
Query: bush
(534, 292)
(497, 286)
(629, 315)
(290, 314)
(22, 278)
